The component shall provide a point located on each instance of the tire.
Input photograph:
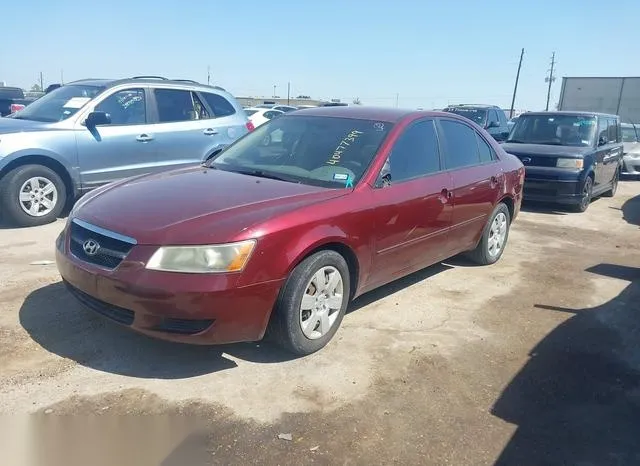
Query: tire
(23, 180)
(587, 194)
(287, 328)
(614, 185)
(487, 251)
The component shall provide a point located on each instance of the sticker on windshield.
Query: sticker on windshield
(349, 182)
(340, 176)
(76, 102)
(346, 142)
(379, 126)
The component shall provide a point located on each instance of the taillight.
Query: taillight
(16, 107)
(250, 126)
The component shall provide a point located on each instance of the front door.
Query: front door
(413, 212)
(477, 182)
(120, 149)
(604, 147)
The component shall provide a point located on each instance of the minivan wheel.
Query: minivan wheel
(32, 195)
(311, 304)
(614, 185)
(494, 237)
(587, 194)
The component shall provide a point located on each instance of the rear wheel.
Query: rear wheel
(312, 304)
(32, 195)
(494, 237)
(587, 193)
(614, 184)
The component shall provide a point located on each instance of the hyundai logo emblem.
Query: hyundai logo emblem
(526, 160)
(91, 247)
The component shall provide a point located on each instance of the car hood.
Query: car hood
(195, 205)
(545, 150)
(631, 147)
(13, 125)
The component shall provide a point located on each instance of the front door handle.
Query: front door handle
(210, 132)
(144, 138)
(445, 195)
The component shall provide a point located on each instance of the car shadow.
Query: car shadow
(60, 324)
(631, 210)
(543, 208)
(577, 399)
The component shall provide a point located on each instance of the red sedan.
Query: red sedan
(279, 231)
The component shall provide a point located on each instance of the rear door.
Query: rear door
(612, 158)
(118, 150)
(477, 180)
(413, 206)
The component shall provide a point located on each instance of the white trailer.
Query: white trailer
(618, 96)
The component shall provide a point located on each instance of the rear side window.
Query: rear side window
(486, 152)
(460, 145)
(221, 107)
(415, 153)
(176, 105)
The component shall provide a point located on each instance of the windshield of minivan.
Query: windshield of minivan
(554, 129)
(59, 104)
(322, 151)
(629, 134)
(477, 115)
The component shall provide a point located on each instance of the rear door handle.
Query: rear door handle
(210, 132)
(144, 138)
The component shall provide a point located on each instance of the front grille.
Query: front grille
(115, 313)
(183, 326)
(536, 161)
(111, 248)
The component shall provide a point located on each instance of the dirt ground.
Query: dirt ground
(532, 361)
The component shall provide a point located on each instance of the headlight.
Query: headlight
(218, 258)
(570, 163)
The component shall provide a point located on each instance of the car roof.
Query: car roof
(573, 113)
(472, 106)
(100, 82)
(389, 115)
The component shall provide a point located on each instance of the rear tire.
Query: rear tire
(614, 185)
(494, 237)
(587, 194)
(32, 195)
(312, 304)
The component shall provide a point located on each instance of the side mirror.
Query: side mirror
(96, 119)
(493, 124)
(602, 141)
(384, 178)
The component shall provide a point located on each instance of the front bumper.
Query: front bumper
(553, 185)
(188, 308)
(631, 164)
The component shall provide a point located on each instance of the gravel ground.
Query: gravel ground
(534, 360)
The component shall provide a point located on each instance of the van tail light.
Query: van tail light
(250, 126)
(16, 107)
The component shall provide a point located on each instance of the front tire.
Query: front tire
(587, 194)
(494, 237)
(312, 304)
(32, 195)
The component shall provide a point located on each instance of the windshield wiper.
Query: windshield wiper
(263, 174)
(515, 141)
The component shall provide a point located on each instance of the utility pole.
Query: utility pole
(550, 79)
(397, 99)
(515, 88)
(208, 75)
(61, 76)
(41, 82)
(288, 92)
(274, 91)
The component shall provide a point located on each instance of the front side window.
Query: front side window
(126, 107)
(460, 145)
(59, 104)
(555, 129)
(493, 118)
(331, 152)
(477, 115)
(413, 155)
(176, 105)
(612, 130)
(603, 130)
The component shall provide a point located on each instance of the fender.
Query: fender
(15, 159)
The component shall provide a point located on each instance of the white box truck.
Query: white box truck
(617, 96)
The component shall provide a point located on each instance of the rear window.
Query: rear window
(250, 112)
(221, 107)
(11, 93)
(477, 115)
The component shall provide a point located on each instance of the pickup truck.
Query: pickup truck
(12, 99)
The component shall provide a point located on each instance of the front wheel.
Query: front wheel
(585, 199)
(32, 195)
(311, 304)
(494, 237)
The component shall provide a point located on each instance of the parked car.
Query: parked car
(490, 117)
(349, 199)
(12, 99)
(92, 132)
(631, 143)
(570, 157)
(511, 123)
(260, 116)
(285, 108)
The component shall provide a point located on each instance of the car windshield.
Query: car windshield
(321, 151)
(629, 135)
(59, 104)
(477, 115)
(559, 130)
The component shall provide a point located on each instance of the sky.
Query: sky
(410, 53)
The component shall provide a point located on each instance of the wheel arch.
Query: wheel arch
(45, 161)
